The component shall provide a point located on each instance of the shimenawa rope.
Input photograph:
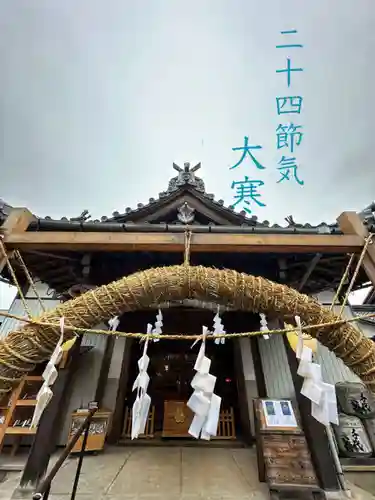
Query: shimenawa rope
(32, 343)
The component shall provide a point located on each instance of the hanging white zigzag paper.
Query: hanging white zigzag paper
(322, 395)
(264, 325)
(158, 325)
(114, 323)
(203, 402)
(142, 401)
(49, 376)
(218, 327)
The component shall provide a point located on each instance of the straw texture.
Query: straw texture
(31, 344)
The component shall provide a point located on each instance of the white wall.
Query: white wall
(8, 325)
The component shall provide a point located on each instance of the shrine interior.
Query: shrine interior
(171, 370)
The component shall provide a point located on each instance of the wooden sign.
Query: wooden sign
(287, 460)
(97, 431)
(284, 460)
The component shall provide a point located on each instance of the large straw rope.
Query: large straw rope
(32, 344)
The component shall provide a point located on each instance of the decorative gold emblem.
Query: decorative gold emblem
(179, 416)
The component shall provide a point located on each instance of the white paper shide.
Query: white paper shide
(264, 326)
(218, 328)
(204, 402)
(49, 376)
(142, 401)
(113, 323)
(322, 395)
(158, 325)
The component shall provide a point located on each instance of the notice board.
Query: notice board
(284, 459)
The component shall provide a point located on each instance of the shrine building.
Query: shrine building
(69, 257)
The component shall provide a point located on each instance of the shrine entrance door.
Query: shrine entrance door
(171, 371)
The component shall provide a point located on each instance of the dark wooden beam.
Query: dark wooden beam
(175, 242)
(118, 415)
(315, 432)
(258, 367)
(104, 369)
(241, 390)
(53, 256)
(45, 440)
(309, 271)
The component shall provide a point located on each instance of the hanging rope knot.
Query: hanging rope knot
(188, 234)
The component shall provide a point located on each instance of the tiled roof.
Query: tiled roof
(185, 181)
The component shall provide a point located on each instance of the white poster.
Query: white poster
(279, 413)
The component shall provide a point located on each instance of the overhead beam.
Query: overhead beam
(175, 242)
(350, 223)
(17, 221)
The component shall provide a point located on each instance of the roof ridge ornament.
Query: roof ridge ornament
(85, 215)
(185, 213)
(186, 176)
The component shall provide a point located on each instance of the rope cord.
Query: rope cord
(14, 277)
(182, 336)
(242, 291)
(343, 279)
(188, 235)
(29, 279)
(356, 271)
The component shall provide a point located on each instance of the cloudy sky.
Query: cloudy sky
(99, 98)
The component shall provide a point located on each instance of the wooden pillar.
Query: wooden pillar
(118, 415)
(315, 432)
(259, 373)
(45, 440)
(104, 369)
(17, 221)
(350, 223)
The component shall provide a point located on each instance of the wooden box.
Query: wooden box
(97, 433)
(177, 419)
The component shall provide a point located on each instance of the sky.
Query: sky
(98, 99)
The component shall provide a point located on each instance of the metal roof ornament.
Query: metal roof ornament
(290, 221)
(185, 176)
(186, 213)
(81, 218)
